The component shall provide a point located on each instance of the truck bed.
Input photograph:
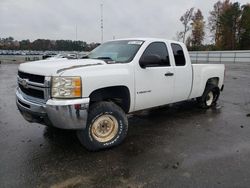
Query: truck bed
(201, 73)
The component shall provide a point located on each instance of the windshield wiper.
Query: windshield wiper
(85, 57)
(108, 58)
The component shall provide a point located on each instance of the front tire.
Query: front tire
(209, 97)
(107, 127)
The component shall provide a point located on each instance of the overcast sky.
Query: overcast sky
(57, 19)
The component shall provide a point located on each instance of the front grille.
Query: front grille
(35, 88)
(31, 77)
(32, 92)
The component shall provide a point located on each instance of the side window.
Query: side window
(156, 51)
(179, 56)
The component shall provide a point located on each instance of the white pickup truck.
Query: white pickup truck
(94, 94)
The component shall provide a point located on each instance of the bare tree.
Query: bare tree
(178, 36)
(185, 19)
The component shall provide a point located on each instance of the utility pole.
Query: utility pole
(101, 23)
(76, 32)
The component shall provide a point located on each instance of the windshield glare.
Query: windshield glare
(119, 51)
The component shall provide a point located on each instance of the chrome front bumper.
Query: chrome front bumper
(64, 114)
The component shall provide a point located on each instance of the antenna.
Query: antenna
(101, 23)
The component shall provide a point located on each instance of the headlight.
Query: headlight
(66, 87)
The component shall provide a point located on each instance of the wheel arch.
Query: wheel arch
(120, 95)
(213, 81)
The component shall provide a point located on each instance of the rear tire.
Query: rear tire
(209, 97)
(107, 127)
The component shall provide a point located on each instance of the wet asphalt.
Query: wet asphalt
(174, 146)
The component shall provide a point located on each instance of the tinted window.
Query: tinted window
(158, 49)
(178, 55)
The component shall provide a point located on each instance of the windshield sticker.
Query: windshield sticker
(136, 42)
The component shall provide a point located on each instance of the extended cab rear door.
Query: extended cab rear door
(154, 84)
(183, 72)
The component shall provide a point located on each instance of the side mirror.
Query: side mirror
(149, 60)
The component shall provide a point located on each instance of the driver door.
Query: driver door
(154, 83)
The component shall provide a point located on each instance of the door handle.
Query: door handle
(169, 74)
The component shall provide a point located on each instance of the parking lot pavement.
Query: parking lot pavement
(175, 146)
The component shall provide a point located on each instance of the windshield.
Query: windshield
(122, 51)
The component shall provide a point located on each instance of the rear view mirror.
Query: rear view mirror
(149, 60)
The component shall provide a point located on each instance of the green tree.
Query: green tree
(25, 44)
(229, 20)
(244, 27)
(41, 44)
(224, 22)
(216, 23)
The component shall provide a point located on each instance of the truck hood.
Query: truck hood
(56, 67)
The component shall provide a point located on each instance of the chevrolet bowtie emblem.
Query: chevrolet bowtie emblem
(24, 83)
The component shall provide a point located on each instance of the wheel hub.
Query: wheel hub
(104, 128)
(209, 98)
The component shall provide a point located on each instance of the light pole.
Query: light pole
(101, 23)
(76, 32)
